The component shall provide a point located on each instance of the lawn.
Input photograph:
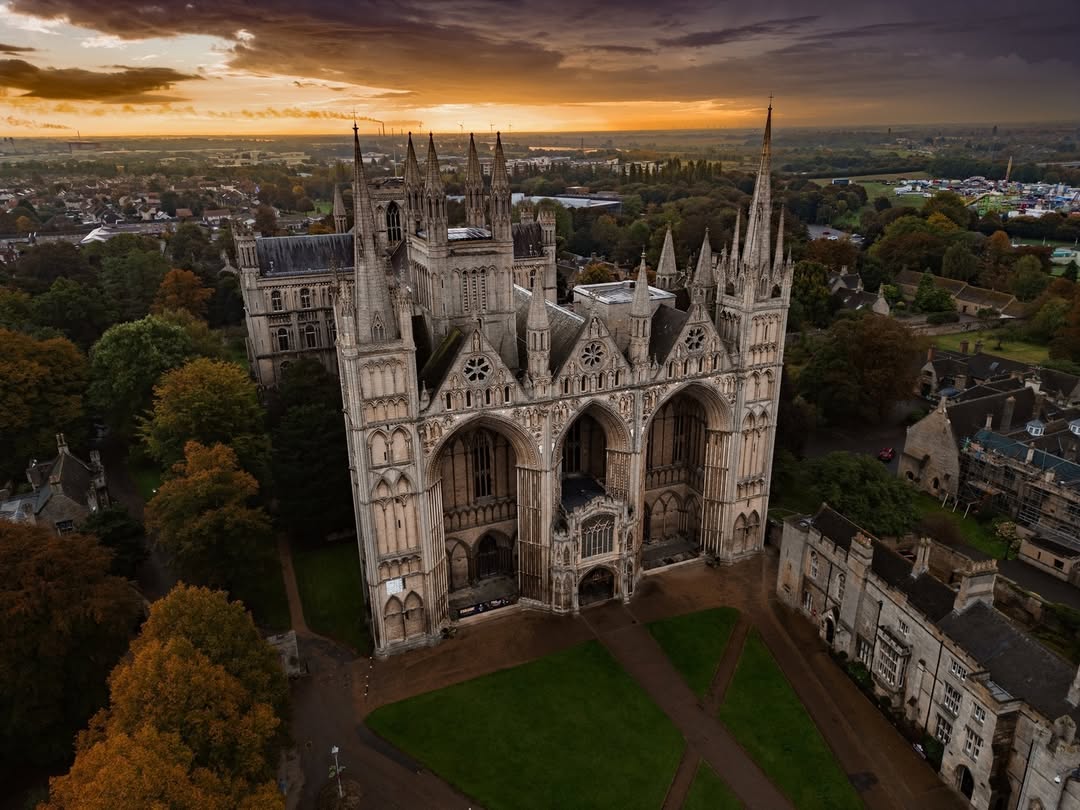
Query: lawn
(569, 730)
(765, 715)
(1011, 348)
(695, 642)
(709, 792)
(974, 533)
(331, 587)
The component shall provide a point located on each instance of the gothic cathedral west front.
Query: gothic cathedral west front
(506, 450)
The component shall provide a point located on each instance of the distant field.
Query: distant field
(859, 178)
(1010, 348)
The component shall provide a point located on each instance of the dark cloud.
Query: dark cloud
(722, 36)
(628, 49)
(124, 85)
(13, 50)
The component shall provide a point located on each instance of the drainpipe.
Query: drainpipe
(933, 686)
(1027, 766)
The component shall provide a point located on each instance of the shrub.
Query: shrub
(942, 317)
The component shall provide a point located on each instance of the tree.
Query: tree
(119, 532)
(266, 220)
(595, 273)
(132, 280)
(128, 361)
(860, 369)
(203, 518)
(190, 248)
(810, 290)
(78, 311)
(1028, 279)
(41, 265)
(959, 263)
(66, 622)
(207, 401)
(931, 298)
(182, 290)
(42, 383)
(861, 489)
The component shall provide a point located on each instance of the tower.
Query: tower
(413, 190)
(375, 321)
(434, 198)
(640, 322)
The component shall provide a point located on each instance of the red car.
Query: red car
(886, 454)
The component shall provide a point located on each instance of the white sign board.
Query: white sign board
(394, 586)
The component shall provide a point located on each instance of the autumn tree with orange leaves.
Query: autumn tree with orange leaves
(182, 290)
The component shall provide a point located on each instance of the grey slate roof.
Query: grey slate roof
(303, 255)
(528, 239)
(1015, 660)
(835, 526)
(667, 324)
(968, 417)
(565, 326)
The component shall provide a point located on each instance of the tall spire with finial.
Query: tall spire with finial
(341, 219)
(778, 258)
(500, 195)
(704, 279)
(758, 230)
(435, 221)
(413, 189)
(667, 273)
(640, 317)
(474, 188)
(374, 315)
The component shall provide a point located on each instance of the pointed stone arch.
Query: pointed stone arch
(394, 620)
(414, 615)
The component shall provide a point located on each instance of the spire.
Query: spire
(538, 335)
(412, 168)
(500, 195)
(413, 206)
(432, 176)
(375, 316)
(758, 226)
(667, 272)
(341, 221)
(778, 259)
(474, 188)
(735, 242)
(704, 278)
(538, 316)
(641, 318)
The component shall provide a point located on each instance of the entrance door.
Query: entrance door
(965, 781)
(830, 630)
(596, 586)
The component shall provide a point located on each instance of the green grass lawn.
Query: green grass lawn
(695, 642)
(332, 589)
(1010, 347)
(974, 533)
(263, 592)
(709, 792)
(765, 715)
(569, 730)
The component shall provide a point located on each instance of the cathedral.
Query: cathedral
(507, 452)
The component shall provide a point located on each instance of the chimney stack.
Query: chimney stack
(922, 558)
(1007, 414)
(989, 421)
(963, 347)
(930, 354)
(978, 346)
(976, 585)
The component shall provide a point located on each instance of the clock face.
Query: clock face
(477, 369)
(592, 356)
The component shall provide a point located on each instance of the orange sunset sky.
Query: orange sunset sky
(145, 67)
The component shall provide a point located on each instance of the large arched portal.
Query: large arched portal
(594, 458)
(596, 586)
(478, 472)
(683, 453)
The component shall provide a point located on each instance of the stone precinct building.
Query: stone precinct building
(505, 450)
(1004, 707)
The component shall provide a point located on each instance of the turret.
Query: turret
(667, 273)
(341, 220)
(375, 319)
(474, 188)
(413, 190)
(500, 195)
(546, 218)
(640, 319)
(538, 338)
(704, 279)
(434, 199)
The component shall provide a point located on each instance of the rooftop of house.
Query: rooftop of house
(620, 292)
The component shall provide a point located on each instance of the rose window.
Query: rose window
(592, 356)
(477, 369)
(695, 339)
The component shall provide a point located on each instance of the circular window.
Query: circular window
(477, 369)
(695, 339)
(592, 356)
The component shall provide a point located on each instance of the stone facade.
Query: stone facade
(1003, 707)
(506, 450)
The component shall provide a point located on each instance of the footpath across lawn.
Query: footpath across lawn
(695, 642)
(331, 587)
(766, 717)
(568, 730)
(710, 792)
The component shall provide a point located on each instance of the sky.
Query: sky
(149, 67)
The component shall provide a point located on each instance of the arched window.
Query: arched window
(311, 336)
(414, 616)
(813, 565)
(841, 581)
(481, 457)
(331, 331)
(275, 300)
(393, 223)
(283, 339)
(597, 536)
(394, 620)
(305, 298)
(487, 557)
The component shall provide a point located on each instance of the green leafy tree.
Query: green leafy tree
(266, 220)
(42, 383)
(862, 489)
(190, 248)
(207, 401)
(41, 265)
(810, 289)
(1028, 279)
(931, 298)
(118, 531)
(204, 518)
(959, 263)
(78, 311)
(860, 369)
(595, 273)
(132, 280)
(66, 622)
(128, 361)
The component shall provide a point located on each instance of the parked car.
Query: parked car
(886, 454)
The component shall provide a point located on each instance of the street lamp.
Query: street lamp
(337, 772)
